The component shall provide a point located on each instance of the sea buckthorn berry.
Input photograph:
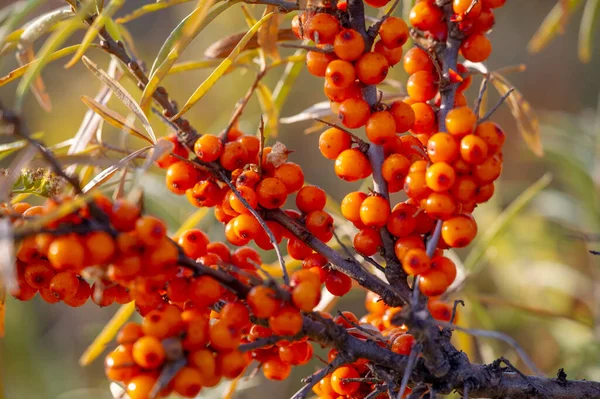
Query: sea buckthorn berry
(263, 301)
(402, 221)
(464, 188)
(150, 230)
(493, 3)
(291, 175)
(246, 226)
(404, 244)
(489, 170)
(433, 283)
(417, 59)
(38, 274)
(459, 231)
(252, 146)
(476, 48)
(354, 112)
(311, 198)
(367, 241)
(380, 127)
(352, 165)
(340, 74)
(231, 364)
(139, 387)
(337, 95)
(446, 266)
(339, 383)
(473, 149)
(348, 45)
(320, 224)
(24, 292)
(484, 193)
(415, 185)
(337, 283)
(286, 321)
(208, 148)
(485, 22)
(440, 177)
(377, 3)
(205, 291)
(374, 211)
(441, 311)
(298, 25)
(66, 252)
(205, 193)
(350, 206)
(298, 249)
(442, 147)
(307, 295)
(440, 205)
(403, 344)
(275, 369)
(372, 68)
(425, 121)
(392, 55)
(461, 121)
(393, 32)
(415, 261)
(333, 141)
(246, 258)
(167, 160)
(467, 8)
(298, 353)
(100, 248)
(234, 156)
(248, 178)
(119, 366)
(395, 169)
(223, 338)
(64, 285)
(425, 15)
(317, 62)
(403, 115)
(187, 382)
(81, 296)
(421, 86)
(148, 352)
(193, 242)
(271, 193)
(249, 196)
(492, 135)
(322, 28)
(236, 315)
(181, 176)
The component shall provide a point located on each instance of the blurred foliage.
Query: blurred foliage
(533, 277)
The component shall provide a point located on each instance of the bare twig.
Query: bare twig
(364, 146)
(409, 369)
(498, 105)
(455, 308)
(482, 90)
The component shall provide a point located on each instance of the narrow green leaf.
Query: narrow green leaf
(586, 29)
(149, 8)
(287, 80)
(502, 222)
(222, 68)
(16, 13)
(122, 94)
(113, 118)
(113, 29)
(99, 23)
(110, 171)
(551, 25)
(267, 104)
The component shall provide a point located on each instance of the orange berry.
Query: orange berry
(322, 28)
(208, 148)
(205, 291)
(374, 211)
(463, 6)
(404, 116)
(461, 121)
(298, 353)
(404, 244)
(100, 248)
(150, 230)
(66, 252)
(392, 55)
(473, 149)
(377, 3)
(484, 193)
(262, 301)
(416, 60)
(421, 86)
(119, 365)
(394, 170)
(81, 296)
(348, 45)
(439, 205)
(493, 3)
(223, 337)
(129, 333)
(337, 283)
(234, 156)
(442, 147)
(271, 193)
(307, 295)
(425, 15)
(489, 170)
(403, 344)
(352, 165)
(415, 261)
(425, 118)
(286, 321)
(187, 382)
(168, 159)
(350, 206)
(340, 74)
(291, 175)
(433, 282)
(402, 221)
(275, 369)
(440, 177)
(367, 241)
(320, 224)
(148, 352)
(196, 332)
(333, 141)
(476, 48)
(252, 146)
(193, 242)
(492, 135)
(246, 226)
(415, 185)
(446, 266)
(38, 274)
(181, 176)
(64, 285)
(310, 198)
(139, 387)
(372, 68)
(205, 193)
(354, 112)
(248, 194)
(380, 127)
(393, 32)
(231, 364)
(317, 62)
(298, 249)
(459, 231)
(339, 383)
(337, 95)
(464, 188)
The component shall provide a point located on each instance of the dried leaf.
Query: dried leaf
(110, 171)
(113, 118)
(278, 155)
(225, 46)
(552, 25)
(524, 114)
(107, 334)
(268, 34)
(586, 29)
(99, 22)
(122, 95)
(149, 8)
(267, 105)
(222, 68)
(14, 171)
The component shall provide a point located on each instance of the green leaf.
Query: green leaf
(267, 104)
(501, 223)
(552, 25)
(16, 13)
(114, 118)
(99, 22)
(149, 8)
(176, 43)
(122, 94)
(110, 171)
(287, 80)
(222, 68)
(586, 29)
(58, 37)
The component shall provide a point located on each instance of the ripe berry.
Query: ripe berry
(139, 387)
(442, 147)
(320, 224)
(167, 160)
(246, 226)
(208, 148)
(311, 198)
(66, 252)
(291, 175)
(489, 170)
(338, 95)
(464, 188)
(372, 68)
(234, 156)
(333, 141)
(374, 211)
(193, 242)
(348, 45)
(404, 116)
(187, 382)
(350, 206)
(493, 3)
(415, 261)
(425, 15)
(392, 55)
(286, 321)
(354, 112)
(340, 74)
(317, 62)
(446, 266)
(337, 283)
(262, 301)
(271, 193)
(402, 221)
(415, 185)
(473, 149)
(150, 230)
(231, 364)
(339, 383)
(440, 177)
(461, 121)
(148, 352)
(275, 369)
(492, 135)
(433, 282)
(461, 7)
(380, 127)
(394, 170)
(307, 295)
(64, 285)
(393, 32)
(404, 244)
(352, 165)
(100, 248)
(403, 344)
(417, 59)
(425, 121)
(459, 231)
(322, 28)
(476, 48)
(38, 274)
(439, 205)
(367, 241)
(421, 86)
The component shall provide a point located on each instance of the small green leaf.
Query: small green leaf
(221, 69)
(149, 8)
(586, 29)
(15, 13)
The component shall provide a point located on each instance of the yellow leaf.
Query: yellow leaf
(586, 29)
(552, 25)
(95, 28)
(221, 69)
(267, 104)
(267, 35)
(107, 334)
(148, 8)
(192, 221)
(113, 118)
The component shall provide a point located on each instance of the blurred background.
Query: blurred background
(531, 275)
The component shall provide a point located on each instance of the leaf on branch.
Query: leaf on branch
(14, 171)
(295, 65)
(278, 155)
(13, 14)
(114, 118)
(268, 34)
(110, 171)
(552, 24)
(225, 46)
(586, 29)
(99, 22)
(267, 105)
(524, 114)
(149, 8)
(222, 68)
(107, 334)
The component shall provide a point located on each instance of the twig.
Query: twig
(455, 308)
(433, 241)
(495, 108)
(409, 369)
(364, 146)
(341, 244)
(373, 262)
(434, 60)
(314, 379)
(376, 392)
(482, 90)
(328, 49)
